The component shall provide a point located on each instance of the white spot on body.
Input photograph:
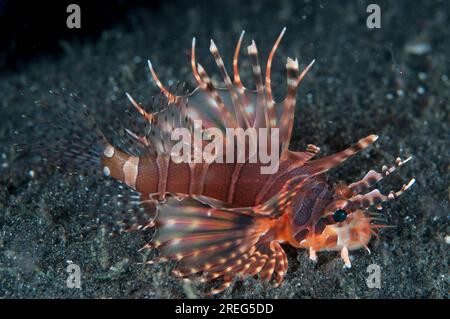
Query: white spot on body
(109, 151)
(106, 171)
(130, 171)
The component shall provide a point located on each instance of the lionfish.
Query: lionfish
(224, 220)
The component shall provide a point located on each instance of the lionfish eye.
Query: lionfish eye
(339, 216)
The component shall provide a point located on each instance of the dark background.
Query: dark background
(32, 28)
(392, 81)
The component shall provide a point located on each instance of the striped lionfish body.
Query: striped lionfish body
(228, 219)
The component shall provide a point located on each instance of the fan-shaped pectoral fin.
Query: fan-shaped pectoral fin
(206, 235)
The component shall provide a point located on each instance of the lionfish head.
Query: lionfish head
(347, 220)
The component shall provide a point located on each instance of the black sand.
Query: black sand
(392, 81)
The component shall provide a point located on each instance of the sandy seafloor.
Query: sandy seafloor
(393, 81)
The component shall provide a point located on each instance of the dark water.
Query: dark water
(392, 81)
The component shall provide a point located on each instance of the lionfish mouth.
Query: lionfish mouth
(355, 233)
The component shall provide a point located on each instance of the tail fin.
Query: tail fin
(65, 135)
(211, 240)
(70, 138)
